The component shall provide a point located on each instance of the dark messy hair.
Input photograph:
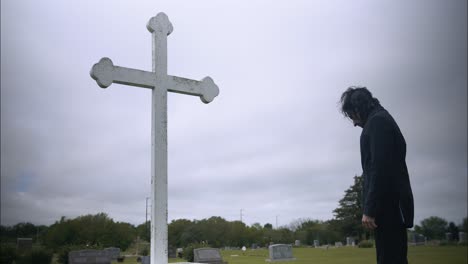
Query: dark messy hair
(358, 100)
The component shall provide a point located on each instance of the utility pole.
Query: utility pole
(241, 214)
(276, 222)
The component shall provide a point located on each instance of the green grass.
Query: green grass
(347, 255)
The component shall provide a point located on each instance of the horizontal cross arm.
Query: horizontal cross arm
(206, 88)
(105, 73)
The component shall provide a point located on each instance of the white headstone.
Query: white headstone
(461, 237)
(316, 243)
(280, 252)
(207, 255)
(105, 73)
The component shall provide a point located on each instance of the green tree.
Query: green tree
(418, 229)
(25, 230)
(464, 225)
(255, 234)
(453, 230)
(91, 231)
(434, 227)
(236, 234)
(318, 230)
(191, 234)
(257, 226)
(349, 213)
(144, 232)
(61, 233)
(11, 233)
(285, 236)
(123, 234)
(214, 230)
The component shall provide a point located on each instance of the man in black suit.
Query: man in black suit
(387, 204)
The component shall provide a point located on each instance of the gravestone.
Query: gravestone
(24, 244)
(208, 255)
(231, 248)
(172, 253)
(254, 246)
(461, 237)
(113, 252)
(338, 244)
(448, 236)
(316, 243)
(145, 260)
(349, 241)
(280, 252)
(88, 256)
(297, 243)
(105, 73)
(418, 239)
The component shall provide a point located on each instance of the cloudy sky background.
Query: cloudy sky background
(273, 144)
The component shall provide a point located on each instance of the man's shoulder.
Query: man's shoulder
(384, 120)
(378, 120)
(381, 116)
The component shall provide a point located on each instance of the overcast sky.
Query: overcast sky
(273, 143)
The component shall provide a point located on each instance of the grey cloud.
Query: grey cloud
(273, 143)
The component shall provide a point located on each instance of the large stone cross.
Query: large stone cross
(105, 73)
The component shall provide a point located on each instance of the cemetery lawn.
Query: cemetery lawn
(348, 255)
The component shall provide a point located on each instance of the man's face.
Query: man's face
(357, 121)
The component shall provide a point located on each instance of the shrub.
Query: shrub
(366, 244)
(7, 254)
(36, 256)
(145, 251)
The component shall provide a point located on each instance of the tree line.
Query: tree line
(100, 231)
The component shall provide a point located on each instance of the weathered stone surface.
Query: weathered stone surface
(24, 244)
(113, 252)
(462, 237)
(105, 73)
(280, 252)
(89, 256)
(208, 255)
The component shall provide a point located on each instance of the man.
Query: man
(387, 196)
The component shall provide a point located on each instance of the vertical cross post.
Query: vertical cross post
(160, 28)
(105, 73)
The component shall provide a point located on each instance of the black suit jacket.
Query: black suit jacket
(386, 187)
